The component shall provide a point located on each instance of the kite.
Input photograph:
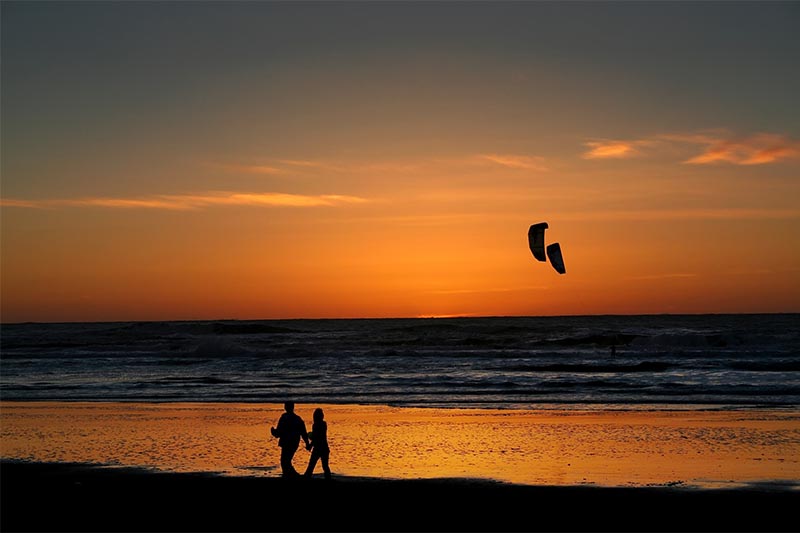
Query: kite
(554, 255)
(536, 240)
(551, 252)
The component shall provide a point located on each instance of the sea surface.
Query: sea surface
(592, 362)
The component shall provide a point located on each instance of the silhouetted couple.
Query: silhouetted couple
(291, 428)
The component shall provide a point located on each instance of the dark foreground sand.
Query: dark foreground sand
(72, 497)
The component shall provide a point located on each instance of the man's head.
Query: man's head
(289, 406)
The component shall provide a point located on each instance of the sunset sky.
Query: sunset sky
(210, 160)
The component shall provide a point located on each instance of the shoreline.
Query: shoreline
(642, 406)
(41, 496)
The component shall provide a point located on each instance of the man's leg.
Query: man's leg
(286, 462)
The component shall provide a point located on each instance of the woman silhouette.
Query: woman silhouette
(319, 444)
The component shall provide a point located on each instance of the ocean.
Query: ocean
(572, 362)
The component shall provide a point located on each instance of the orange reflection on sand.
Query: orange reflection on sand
(614, 448)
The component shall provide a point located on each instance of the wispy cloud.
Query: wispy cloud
(526, 162)
(361, 167)
(278, 167)
(492, 290)
(761, 271)
(302, 163)
(254, 169)
(674, 275)
(12, 202)
(615, 149)
(758, 149)
(192, 201)
(718, 146)
(743, 213)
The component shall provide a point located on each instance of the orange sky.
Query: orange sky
(381, 174)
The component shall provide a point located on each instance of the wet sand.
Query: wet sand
(710, 449)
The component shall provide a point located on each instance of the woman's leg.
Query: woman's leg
(312, 462)
(325, 467)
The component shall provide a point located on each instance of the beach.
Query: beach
(519, 266)
(105, 466)
(609, 448)
(66, 497)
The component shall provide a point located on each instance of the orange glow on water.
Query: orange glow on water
(533, 447)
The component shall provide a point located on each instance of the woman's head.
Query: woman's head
(318, 414)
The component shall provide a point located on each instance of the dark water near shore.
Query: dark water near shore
(675, 361)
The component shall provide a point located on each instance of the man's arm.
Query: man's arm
(277, 432)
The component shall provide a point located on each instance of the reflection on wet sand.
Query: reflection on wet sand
(609, 448)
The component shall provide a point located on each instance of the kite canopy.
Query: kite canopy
(536, 240)
(554, 254)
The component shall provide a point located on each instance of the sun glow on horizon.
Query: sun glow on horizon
(455, 247)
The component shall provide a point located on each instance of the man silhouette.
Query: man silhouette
(290, 430)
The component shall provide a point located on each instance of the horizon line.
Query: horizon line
(419, 317)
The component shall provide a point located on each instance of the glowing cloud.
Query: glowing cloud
(301, 163)
(687, 214)
(516, 161)
(676, 275)
(289, 167)
(10, 202)
(492, 290)
(718, 146)
(757, 149)
(188, 201)
(254, 169)
(611, 149)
